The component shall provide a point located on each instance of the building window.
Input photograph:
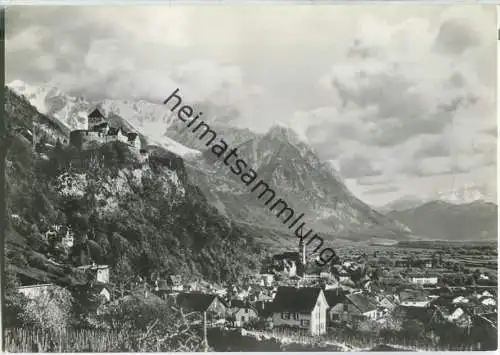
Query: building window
(304, 323)
(246, 310)
(285, 315)
(295, 316)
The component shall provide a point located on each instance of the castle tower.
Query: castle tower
(83, 121)
(95, 117)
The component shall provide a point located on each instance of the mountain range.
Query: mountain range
(440, 220)
(288, 164)
(140, 217)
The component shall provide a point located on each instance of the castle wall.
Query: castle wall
(136, 143)
(76, 138)
(121, 137)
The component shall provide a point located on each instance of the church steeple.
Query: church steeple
(302, 252)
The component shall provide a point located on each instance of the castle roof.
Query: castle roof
(132, 136)
(96, 113)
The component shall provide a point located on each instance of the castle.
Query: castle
(96, 128)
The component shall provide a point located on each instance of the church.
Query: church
(96, 128)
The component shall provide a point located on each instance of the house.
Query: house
(264, 311)
(100, 273)
(488, 301)
(241, 312)
(169, 286)
(304, 308)
(422, 279)
(175, 282)
(68, 240)
(387, 302)
(484, 277)
(102, 291)
(344, 276)
(354, 308)
(413, 298)
(457, 313)
(460, 299)
(486, 294)
(35, 291)
(266, 280)
(427, 263)
(201, 302)
(335, 299)
(60, 235)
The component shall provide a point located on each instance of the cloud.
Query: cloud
(455, 36)
(381, 190)
(405, 92)
(433, 147)
(357, 166)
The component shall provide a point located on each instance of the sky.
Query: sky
(399, 98)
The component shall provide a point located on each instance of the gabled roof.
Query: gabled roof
(197, 302)
(334, 296)
(239, 304)
(412, 295)
(99, 287)
(264, 309)
(362, 302)
(96, 113)
(291, 299)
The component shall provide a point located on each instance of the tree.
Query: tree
(35, 239)
(413, 329)
(52, 310)
(121, 277)
(161, 326)
(14, 302)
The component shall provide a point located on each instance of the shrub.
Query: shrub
(52, 310)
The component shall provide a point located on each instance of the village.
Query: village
(356, 293)
(364, 289)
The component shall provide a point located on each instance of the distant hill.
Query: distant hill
(441, 220)
(401, 204)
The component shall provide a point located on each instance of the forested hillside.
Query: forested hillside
(140, 216)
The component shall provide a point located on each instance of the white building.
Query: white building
(423, 279)
(101, 272)
(34, 291)
(304, 308)
(266, 280)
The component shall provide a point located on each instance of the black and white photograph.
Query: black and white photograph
(257, 177)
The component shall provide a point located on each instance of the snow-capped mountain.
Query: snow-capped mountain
(292, 168)
(141, 116)
(467, 193)
(282, 159)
